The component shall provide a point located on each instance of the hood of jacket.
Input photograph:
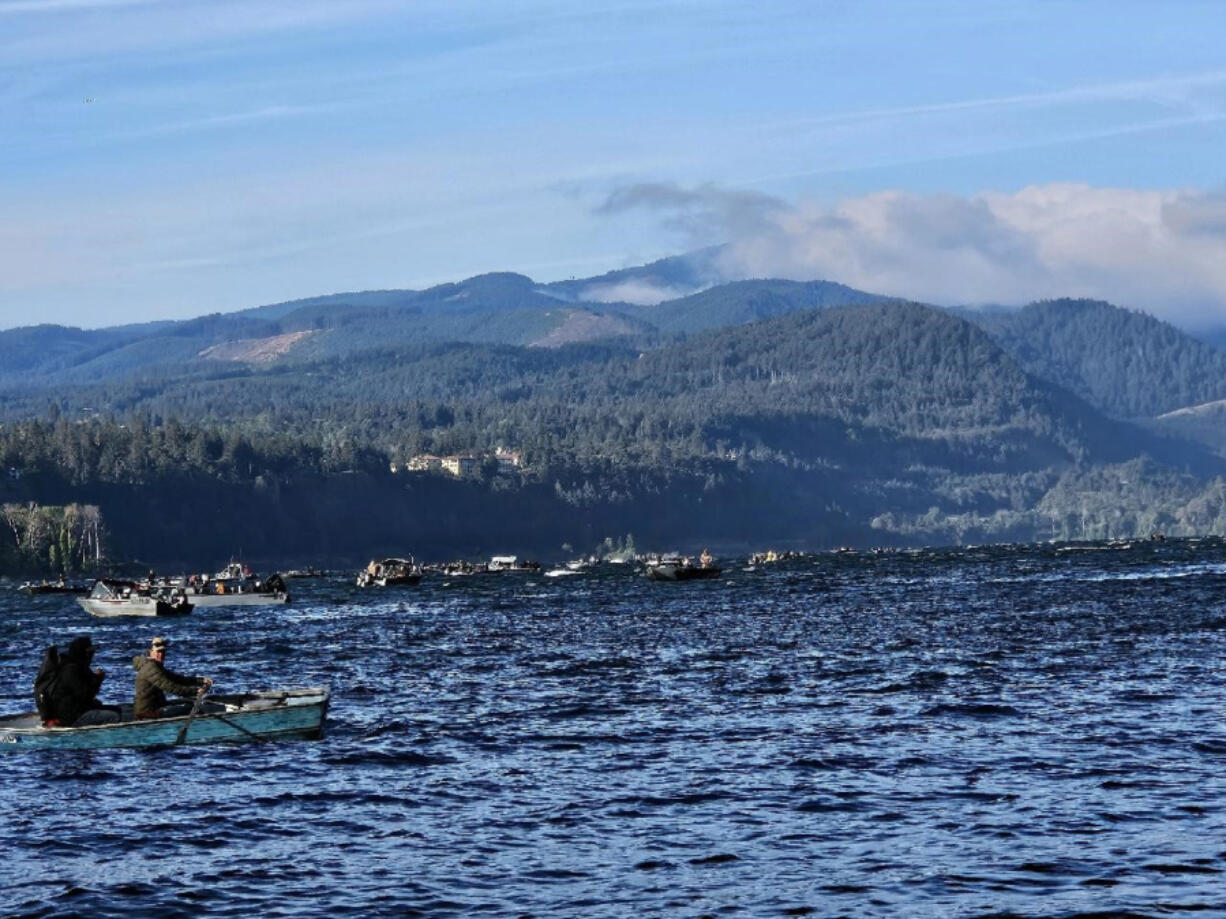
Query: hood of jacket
(80, 649)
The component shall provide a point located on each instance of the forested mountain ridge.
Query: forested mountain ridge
(754, 411)
(902, 370)
(499, 308)
(888, 422)
(1125, 363)
(494, 309)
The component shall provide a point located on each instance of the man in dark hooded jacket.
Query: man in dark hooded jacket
(75, 696)
(153, 681)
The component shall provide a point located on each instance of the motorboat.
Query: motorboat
(390, 572)
(234, 585)
(113, 597)
(53, 587)
(501, 563)
(677, 568)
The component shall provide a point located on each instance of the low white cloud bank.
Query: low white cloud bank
(638, 292)
(1161, 251)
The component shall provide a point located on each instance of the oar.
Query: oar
(238, 727)
(190, 716)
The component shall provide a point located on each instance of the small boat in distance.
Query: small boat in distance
(113, 597)
(260, 716)
(500, 563)
(391, 572)
(53, 587)
(234, 585)
(308, 572)
(770, 556)
(682, 568)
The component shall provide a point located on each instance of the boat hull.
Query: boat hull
(132, 606)
(681, 573)
(294, 714)
(40, 589)
(404, 580)
(238, 599)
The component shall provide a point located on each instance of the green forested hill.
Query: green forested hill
(494, 309)
(752, 412)
(885, 422)
(740, 302)
(899, 370)
(1125, 363)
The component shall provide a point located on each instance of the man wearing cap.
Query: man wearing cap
(75, 693)
(153, 681)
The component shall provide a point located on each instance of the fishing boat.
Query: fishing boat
(308, 572)
(391, 572)
(53, 587)
(234, 585)
(258, 716)
(113, 597)
(502, 563)
(681, 569)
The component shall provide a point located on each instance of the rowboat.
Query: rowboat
(283, 714)
(111, 597)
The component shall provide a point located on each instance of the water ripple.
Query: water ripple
(1013, 731)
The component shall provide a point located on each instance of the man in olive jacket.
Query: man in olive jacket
(153, 681)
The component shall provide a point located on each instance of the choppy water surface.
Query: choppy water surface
(1012, 731)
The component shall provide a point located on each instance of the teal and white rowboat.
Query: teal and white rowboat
(259, 716)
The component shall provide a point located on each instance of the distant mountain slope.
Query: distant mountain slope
(884, 385)
(499, 308)
(495, 309)
(904, 373)
(1124, 364)
(50, 348)
(739, 302)
(1127, 364)
(890, 420)
(665, 279)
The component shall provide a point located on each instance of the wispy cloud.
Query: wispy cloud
(700, 211)
(638, 292)
(1173, 89)
(16, 7)
(103, 29)
(1163, 251)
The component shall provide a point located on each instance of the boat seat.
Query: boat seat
(257, 704)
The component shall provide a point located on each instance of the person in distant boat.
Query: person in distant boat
(154, 681)
(75, 693)
(705, 559)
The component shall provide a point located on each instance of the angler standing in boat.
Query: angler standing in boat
(153, 681)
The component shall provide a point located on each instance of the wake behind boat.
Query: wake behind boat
(259, 716)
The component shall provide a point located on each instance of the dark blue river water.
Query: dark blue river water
(1020, 731)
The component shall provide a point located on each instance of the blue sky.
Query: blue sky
(167, 159)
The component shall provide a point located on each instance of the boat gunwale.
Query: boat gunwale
(320, 697)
